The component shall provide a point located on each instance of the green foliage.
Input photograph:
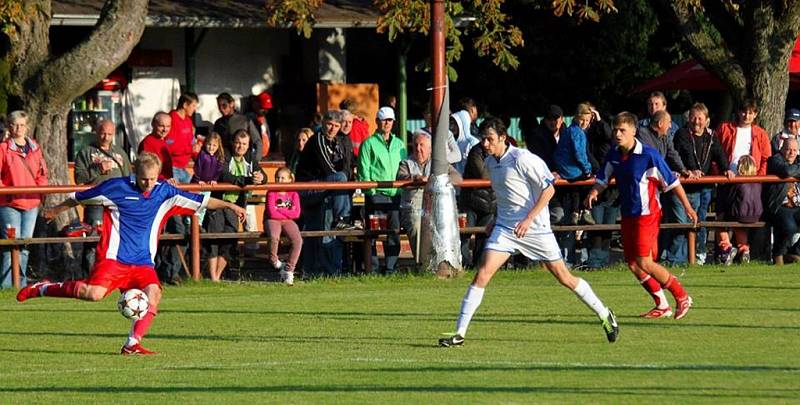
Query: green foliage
(372, 340)
(11, 12)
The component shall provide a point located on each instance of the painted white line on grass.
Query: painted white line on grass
(520, 364)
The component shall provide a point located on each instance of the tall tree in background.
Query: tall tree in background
(44, 84)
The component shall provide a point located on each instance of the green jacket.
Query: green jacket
(87, 164)
(379, 161)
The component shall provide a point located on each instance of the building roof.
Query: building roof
(220, 14)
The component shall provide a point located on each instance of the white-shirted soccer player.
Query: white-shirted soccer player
(523, 185)
(136, 210)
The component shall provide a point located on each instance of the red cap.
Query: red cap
(265, 100)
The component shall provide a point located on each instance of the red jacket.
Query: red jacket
(359, 133)
(21, 169)
(760, 148)
(154, 144)
(179, 140)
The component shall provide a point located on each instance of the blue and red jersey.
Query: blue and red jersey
(639, 174)
(132, 221)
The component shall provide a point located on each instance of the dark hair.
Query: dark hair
(241, 133)
(348, 104)
(748, 104)
(225, 96)
(625, 118)
(466, 102)
(493, 123)
(187, 97)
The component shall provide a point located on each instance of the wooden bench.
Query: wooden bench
(365, 237)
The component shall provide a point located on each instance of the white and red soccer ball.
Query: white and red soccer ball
(133, 304)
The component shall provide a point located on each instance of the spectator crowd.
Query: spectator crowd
(339, 148)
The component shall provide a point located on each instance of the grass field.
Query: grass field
(372, 340)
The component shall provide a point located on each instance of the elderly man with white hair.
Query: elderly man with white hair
(417, 167)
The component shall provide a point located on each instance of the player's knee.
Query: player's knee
(154, 296)
(95, 293)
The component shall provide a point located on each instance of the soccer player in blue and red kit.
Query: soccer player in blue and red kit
(640, 171)
(136, 209)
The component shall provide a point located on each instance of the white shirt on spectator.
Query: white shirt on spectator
(744, 140)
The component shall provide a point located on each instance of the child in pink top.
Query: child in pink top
(283, 207)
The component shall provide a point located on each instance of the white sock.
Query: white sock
(662, 299)
(131, 341)
(584, 291)
(469, 304)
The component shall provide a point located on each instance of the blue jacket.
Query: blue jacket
(571, 158)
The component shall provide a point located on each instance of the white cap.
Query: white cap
(385, 113)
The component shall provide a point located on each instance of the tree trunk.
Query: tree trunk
(769, 88)
(44, 85)
(750, 52)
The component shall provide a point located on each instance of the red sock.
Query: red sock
(674, 286)
(653, 288)
(67, 289)
(141, 326)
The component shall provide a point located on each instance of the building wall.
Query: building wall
(239, 61)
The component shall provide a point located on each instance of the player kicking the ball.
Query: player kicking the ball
(136, 209)
(640, 171)
(524, 186)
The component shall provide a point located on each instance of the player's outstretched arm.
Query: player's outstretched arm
(216, 204)
(51, 213)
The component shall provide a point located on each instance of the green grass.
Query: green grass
(372, 340)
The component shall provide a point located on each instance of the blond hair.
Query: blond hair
(583, 109)
(284, 170)
(147, 159)
(746, 166)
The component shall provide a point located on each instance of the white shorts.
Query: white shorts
(535, 246)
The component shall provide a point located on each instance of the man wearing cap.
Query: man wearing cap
(261, 104)
(544, 139)
(791, 130)
(378, 160)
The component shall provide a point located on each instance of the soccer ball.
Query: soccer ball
(133, 304)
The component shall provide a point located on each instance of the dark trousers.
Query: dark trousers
(92, 215)
(168, 261)
(785, 222)
(389, 206)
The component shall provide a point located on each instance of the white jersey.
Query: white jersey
(518, 179)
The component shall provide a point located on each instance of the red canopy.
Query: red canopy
(691, 75)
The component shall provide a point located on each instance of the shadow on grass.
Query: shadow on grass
(62, 352)
(588, 367)
(690, 391)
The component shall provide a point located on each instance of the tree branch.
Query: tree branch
(119, 29)
(715, 56)
(729, 27)
(29, 43)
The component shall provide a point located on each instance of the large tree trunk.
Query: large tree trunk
(44, 85)
(750, 52)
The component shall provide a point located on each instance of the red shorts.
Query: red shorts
(113, 275)
(640, 236)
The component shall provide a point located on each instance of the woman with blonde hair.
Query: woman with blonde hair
(21, 164)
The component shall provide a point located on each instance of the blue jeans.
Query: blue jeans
(181, 175)
(673, 241)
(24, 223)
(600, 253)
(700, 201)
